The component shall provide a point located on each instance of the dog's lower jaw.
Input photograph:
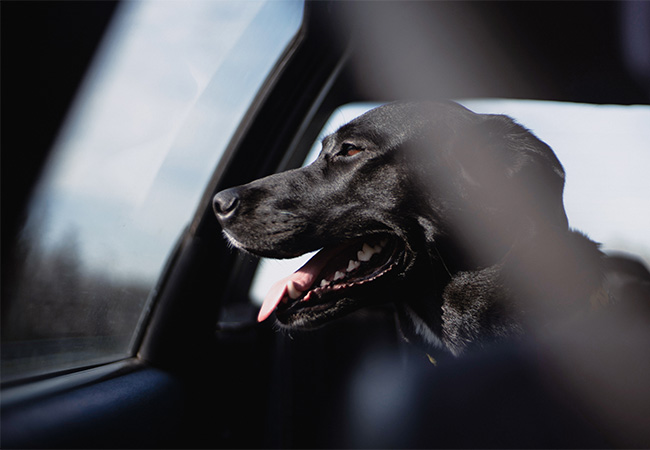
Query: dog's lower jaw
(315, 318)
(298, 324)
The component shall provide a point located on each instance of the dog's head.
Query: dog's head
(398, 200)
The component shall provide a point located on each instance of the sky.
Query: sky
(168, 88)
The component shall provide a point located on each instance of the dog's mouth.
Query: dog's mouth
(325, 279)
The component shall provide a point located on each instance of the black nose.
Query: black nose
(225, 203)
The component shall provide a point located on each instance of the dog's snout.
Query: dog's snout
(225, 203)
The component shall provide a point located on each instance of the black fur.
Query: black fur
(472, 206)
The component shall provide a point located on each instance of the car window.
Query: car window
(170, 84)
(603, 149)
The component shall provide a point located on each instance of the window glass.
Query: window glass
(167, 90)
(603, 149)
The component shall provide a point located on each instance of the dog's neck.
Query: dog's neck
(527, 286)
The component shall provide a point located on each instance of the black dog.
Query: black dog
(455, 217)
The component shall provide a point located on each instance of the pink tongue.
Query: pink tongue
(302, 279)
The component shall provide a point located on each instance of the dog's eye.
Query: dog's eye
(350, 149)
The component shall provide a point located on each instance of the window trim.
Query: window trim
(24, 390)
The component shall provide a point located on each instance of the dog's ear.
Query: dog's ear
(502, 166)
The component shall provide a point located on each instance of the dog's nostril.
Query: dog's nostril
(225, 202)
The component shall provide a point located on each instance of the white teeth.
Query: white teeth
(363, 256)
(365, 253)
(293, 292)
(352, 265)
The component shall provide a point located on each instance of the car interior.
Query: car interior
(181, 361)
